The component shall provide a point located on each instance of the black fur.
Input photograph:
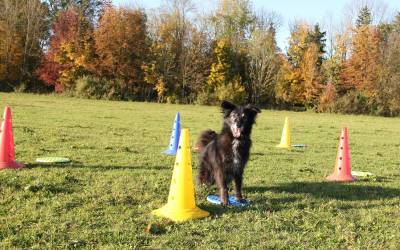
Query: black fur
(223, 156)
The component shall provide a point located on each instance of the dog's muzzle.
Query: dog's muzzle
(235, 131)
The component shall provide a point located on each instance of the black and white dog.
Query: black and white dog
(223, 156)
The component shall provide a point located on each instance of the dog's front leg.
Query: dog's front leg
(238, 186)
(222, 186)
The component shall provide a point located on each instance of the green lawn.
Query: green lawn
(103, 199)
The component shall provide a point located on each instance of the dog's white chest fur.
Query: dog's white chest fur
(235, 150)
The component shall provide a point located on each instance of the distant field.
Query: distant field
(103, 199)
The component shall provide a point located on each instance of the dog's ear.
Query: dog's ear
(252, 109)
(227, 108)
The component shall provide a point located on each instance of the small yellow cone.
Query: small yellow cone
(285, 140)
(181, 204)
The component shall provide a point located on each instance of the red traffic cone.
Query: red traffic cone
(7, 153)
(342, 170)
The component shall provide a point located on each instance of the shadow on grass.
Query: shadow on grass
(217, 210)
(258, 153)
(287, 152)
(339, 191)
(76, 165)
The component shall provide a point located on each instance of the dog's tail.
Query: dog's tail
(205, 137)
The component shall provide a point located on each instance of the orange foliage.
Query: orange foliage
(120, 42)
(362, 69)
(328, 98)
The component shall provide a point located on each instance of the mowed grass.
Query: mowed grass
(103, 199)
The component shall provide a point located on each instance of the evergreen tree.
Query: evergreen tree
(318, 38)
(364, 17)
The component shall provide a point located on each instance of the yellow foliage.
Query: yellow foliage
(73, 63)
(290, 87)
(298, 43)
(233, 91)
(311, 75)
(161, 89)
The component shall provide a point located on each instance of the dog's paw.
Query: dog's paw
(224, 202)
(239, 198)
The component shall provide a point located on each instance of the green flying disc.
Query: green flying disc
(53, 160)
(299, 145)
(361, 174)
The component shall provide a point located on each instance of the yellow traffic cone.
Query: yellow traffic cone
(285, 140)
(181, 204)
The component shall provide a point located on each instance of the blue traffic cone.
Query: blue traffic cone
(174, 141)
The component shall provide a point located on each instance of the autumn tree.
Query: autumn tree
(198, 64)
(232, 24)
(223, 81)
(289, 88)
(91, 9)
(298, 42)
(11, 51)
(160, 69)
(120, 42)
(303, 72)
(311, 75)
(67, 57)
(180, 52)
(333, 67)
(23, 28)
(362, 69)
(328, 98)
(264, 62)
(396, 23)
(232, 21)
(311, 66)
(388, 95)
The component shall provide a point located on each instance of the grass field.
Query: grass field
(103, 199)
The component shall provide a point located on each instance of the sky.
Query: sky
(323, 12)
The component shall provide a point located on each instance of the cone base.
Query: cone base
(283, 146)
(179, 215)
(11, 164)
(170, 152)
(346, 178)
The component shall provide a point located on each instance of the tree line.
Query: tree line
(175, 54)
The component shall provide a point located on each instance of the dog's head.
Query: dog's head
(239, 119)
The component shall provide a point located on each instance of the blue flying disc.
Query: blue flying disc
(232, 201)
